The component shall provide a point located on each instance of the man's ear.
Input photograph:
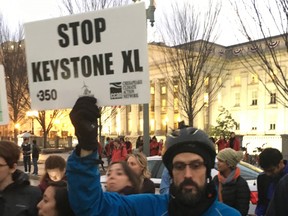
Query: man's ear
(13, 169)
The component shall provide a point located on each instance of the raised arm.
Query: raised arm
(85, 192)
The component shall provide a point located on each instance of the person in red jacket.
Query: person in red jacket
(221, 143)
(154, 146)
(119, 152)
(234, 142)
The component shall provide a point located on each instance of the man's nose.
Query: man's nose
(188, 172)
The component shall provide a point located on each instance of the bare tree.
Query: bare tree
(47, 126)
(265, 19)
(79, 6)
(109, 113)
(191, 60)
(12, 56)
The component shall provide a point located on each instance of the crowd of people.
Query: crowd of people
(118, 149)
(73, 187)
(233, 142)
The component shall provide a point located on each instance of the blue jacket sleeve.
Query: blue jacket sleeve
(165, 182)
(85, 191)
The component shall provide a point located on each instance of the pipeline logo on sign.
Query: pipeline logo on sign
(116, 90)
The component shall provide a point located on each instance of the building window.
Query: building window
(152, 90)
(272, 126)
(237, 81)
(219, 99)
(176, 104)
(206, 81)
(237, 100)
(254, 102)
(273, 98)
(163, 105)
(206, 99)
(237, 126)
(175, 89)
(163, 90)
(140, 107)
(254, 79)
(152, 105)
(220, 81)
(254, 98)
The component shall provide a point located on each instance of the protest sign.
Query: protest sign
(102, 53)
(4, 116)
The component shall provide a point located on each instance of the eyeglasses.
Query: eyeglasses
(194, 165)
(2, 165)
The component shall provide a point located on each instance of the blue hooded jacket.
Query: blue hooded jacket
(87, 198)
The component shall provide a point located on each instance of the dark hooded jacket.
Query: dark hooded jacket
(20, 198)
(266, 186)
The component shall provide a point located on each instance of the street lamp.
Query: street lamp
(149, 12)
(17, 126)
(32, 114)
(146, 137)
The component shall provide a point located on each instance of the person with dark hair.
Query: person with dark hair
(55, 201)
(189, 158)
(17, 196)
(138, 163)
(35, 156)
(26, 151)
(233, 189)
(274, 167)
(139, 144)
(55, 167)
(154, 146)
(233, 142)
(119, 152)
(122, 179)
(128, 145)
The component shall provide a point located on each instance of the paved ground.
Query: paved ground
(34, 180)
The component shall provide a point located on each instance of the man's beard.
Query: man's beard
(188, 196)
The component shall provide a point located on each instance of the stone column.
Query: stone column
(135, 119)
(157, 108)
(170, 106)
(124, 120)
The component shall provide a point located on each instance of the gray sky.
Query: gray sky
(16, 11)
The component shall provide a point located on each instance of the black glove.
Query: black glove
(84, 119)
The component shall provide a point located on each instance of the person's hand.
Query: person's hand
(84, 119)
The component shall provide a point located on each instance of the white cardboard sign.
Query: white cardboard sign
(102, 53)
(4, 116)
